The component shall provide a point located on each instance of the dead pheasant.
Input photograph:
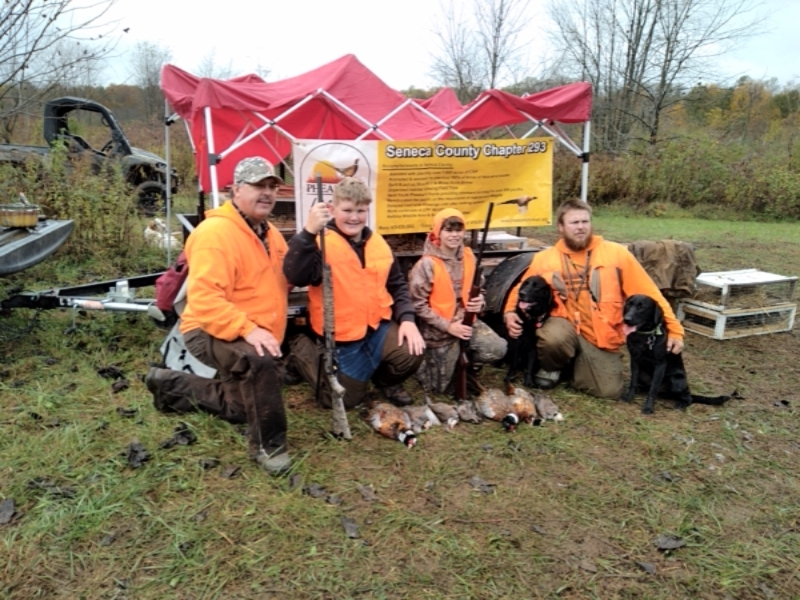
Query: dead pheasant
(391, 422)
(523, 404)
(446, 413)
(422, 417)
(495, 405)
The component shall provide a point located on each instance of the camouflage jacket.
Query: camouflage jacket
(432, 326)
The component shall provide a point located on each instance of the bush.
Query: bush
(702, 175)
(103, 207)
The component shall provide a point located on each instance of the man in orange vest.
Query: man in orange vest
(235, 318)
(376, 336)
(590, 278)
(440, 284)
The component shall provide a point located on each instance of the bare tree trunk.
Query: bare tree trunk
(481, 50)
(148, 58)
(639, 54)
(34, 55)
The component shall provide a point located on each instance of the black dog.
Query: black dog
(533, 307)
(652, 366)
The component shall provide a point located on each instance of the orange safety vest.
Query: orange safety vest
(360, 297)
(443, 296)
(223, 246)
(610, 265)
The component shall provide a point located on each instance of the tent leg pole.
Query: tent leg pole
(585, 166)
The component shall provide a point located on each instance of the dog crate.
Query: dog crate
(731, 304)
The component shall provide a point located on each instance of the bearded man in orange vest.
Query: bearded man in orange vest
(375, 330)
(590, 278)
(235, 318)
(440, 284)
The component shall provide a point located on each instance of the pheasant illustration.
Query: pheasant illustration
(521, 202)
(348, 171)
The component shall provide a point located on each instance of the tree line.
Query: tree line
(651, 63)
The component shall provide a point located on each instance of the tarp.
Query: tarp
(342, 100)
(443, 102)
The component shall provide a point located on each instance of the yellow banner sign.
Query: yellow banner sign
(417, 179)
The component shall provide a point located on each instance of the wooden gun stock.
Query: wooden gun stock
(462, 366)
(340, 426)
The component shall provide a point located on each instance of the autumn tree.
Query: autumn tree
(642, 55)
(45, 43)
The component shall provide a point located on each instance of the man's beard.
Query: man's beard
(578, 245)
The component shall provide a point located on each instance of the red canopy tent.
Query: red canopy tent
(343, 100)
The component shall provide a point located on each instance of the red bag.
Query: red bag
(170, 283)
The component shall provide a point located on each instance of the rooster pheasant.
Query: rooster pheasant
(391, 422)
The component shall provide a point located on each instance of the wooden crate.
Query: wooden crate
(726, 324)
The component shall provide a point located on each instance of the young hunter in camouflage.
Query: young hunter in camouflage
(439, 284)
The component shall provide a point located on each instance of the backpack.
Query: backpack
(170, 284)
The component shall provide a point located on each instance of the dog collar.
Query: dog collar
(656, 331)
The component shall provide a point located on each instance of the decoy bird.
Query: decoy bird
(422, 417)
(446, 413)
(521, 202)
(391, 422)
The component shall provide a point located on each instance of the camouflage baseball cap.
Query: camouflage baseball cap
(253, 170)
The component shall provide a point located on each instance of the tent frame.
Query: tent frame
(214, 158)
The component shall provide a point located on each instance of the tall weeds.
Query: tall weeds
(102, 205)
(694, 173)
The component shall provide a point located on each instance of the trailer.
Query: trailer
(343, 102)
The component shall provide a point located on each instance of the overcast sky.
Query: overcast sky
(393, 39)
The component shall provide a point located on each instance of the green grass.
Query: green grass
(575, 507)
(720, 244)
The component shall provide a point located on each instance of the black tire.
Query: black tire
(151, 197)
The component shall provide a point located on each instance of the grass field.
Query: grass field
(571, 510)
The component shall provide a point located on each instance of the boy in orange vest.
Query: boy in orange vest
(440, 283)
(376, 336)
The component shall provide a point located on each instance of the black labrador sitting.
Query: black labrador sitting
(533, 307)
(652, 366)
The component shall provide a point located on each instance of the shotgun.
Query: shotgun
(340, 426)
(462, 366)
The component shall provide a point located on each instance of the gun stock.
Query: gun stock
(462, 366)
(340, 426)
